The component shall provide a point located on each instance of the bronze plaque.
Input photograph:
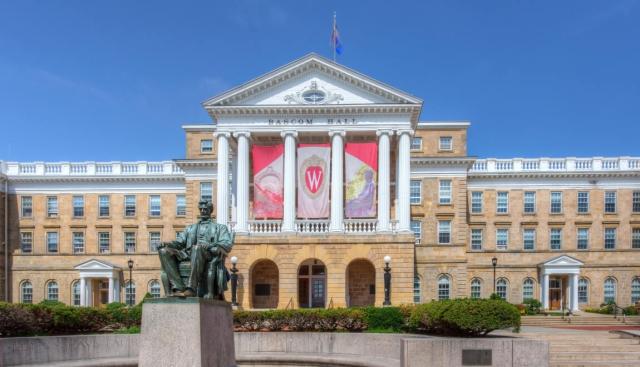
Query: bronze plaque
(476, 357)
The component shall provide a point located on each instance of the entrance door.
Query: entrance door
(555, 294)
(104, 292)
(312, 284)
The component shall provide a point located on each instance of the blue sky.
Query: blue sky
(115, 80)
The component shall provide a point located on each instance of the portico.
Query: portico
(559, 283)
(99, 282)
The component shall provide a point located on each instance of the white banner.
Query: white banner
(314, 180)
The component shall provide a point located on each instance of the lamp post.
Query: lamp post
(494, 262)
(130, 264)
(387, 281)
(234, 281)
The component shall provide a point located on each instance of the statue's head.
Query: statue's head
(206, 208)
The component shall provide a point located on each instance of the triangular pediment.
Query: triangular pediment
(93, 265)
(562, 261)
(311, 81)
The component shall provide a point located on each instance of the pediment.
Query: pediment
(562, 261)
(311, 81)
(94, 264)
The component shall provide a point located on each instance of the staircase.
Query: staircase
(582, 319)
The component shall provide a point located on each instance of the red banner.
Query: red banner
(268, 175)
(361, 171)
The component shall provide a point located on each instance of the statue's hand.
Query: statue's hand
(163, 244)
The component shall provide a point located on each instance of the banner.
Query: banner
(314, 180)
(361, 173)
(268, 181)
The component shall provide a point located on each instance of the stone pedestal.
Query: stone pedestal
(186, 332)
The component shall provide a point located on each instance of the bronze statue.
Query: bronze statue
(193, 264)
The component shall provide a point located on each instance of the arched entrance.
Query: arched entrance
(264, 284)
(312, 284)
(361, 283)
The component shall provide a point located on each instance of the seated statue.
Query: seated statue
(193, 264)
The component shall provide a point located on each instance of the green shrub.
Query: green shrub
(532, 306)
(464, 317)
(384, 319)
(335, 319)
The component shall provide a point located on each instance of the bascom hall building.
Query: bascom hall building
(322, 172)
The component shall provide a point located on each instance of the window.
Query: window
(583, 291)
(129, 242)
(476, 239)
(206, 146)
(445, 192)
(78, 242)
(416, 227)
(476, 288)
(417, 292)
(415, 192)
(583, 238)
(501, 288)
(104, 242)
(416, 143)
(52, 291)
(26, 242)
(103, 205)
(181, 206)
(26, 206)
(444, 231)
(444, 286)
(527, 289)
(52, 206)
(635, 290)
(206, 191)
(529, 239)
(529, 202)
(75, 293)
(154, 288)
(610, 201)
(502, 202)
(154, 205)
(636, 201)
(446, 143)
(476, 202)
(609, 238)
(52, 241)
(556, 202)
(609, 290)
(635, 238)
(154, 241)
(502, 238)
(130, 293)
(583, 202)
(555, 239)
(78, 206)
(26, 292)
(129, 205)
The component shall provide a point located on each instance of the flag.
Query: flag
(268, 187)
(313, 180)
(336, 45)
(361, 170)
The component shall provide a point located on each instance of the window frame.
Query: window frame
(477, 292)
(614, 283)
(506, 288)
(528, 286)
(22, 239)
(101, 206)
(53, 206)
(108, 237)
(22, 206)
(475, 203)
(73, 242)
(578, 238)
(179, 205)
(555, 231)
(130, 293)
(154, 294)
(533, 239)
(444, 287)
(505, 196)
(155, 212)
(446, 232)
(586, 202)
(24, 294)
(208, 184)
(206, 149)
(610, 207)
(126, 244)
(52, 288)
(75, 294)
(443, 148)
(415, 185)
(128, 206)
(418, 234)
(74, 207)
(555, 202)
(583, 291)
(159, 241)
(413, 147)
(445, 188)
(48, 244)
(608, 245)
(526, 203)
(635, 201)
(499, 246)
(472, 239)
(417, 289)
(635, 238)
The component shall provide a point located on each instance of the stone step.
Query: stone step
(594, 348)
(596, 356)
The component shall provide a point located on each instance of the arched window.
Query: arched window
(501, 288)
(130, 293)
(52, 291)
(476, 288)
(635, 290)
(609, 290)
(75, 293)
(444, 286)
(417, 294)
(583, 291)
(26, 292)
(527, 289)
(154, 288)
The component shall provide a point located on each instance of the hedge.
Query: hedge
(460, 317)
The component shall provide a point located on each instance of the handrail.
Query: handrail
(615, 311)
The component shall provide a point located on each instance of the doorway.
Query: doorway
(555, 294)
(312, 284)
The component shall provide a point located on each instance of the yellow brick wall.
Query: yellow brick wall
(193, 144)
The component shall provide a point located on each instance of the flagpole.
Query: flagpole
(333, 39)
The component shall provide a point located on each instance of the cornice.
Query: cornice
(502, 175)
(443, 161)
(195, 163)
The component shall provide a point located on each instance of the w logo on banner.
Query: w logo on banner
(313, 178)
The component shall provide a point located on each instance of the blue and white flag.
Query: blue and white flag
(335, 39)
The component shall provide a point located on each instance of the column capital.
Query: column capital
(337, 132)
(238, 134)
(380, 132)
(225, 134)
(405, 131)
(289, 132)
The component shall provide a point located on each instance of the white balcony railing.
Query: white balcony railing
(360, 225)
(312, 226)
(265, 226)
(491, 165)
(92, 169)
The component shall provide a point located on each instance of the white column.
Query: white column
(222, 202)
(116, 289)
(404, 178)
(110, 289)
(289, 218)
(89, 294)
(574, 293)
(83, 291)
(242, 180)
(337, 180)
(384, 180)
(545, 292)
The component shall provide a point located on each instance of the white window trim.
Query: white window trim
(450, 231)
(418, 149)
(440, 148)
